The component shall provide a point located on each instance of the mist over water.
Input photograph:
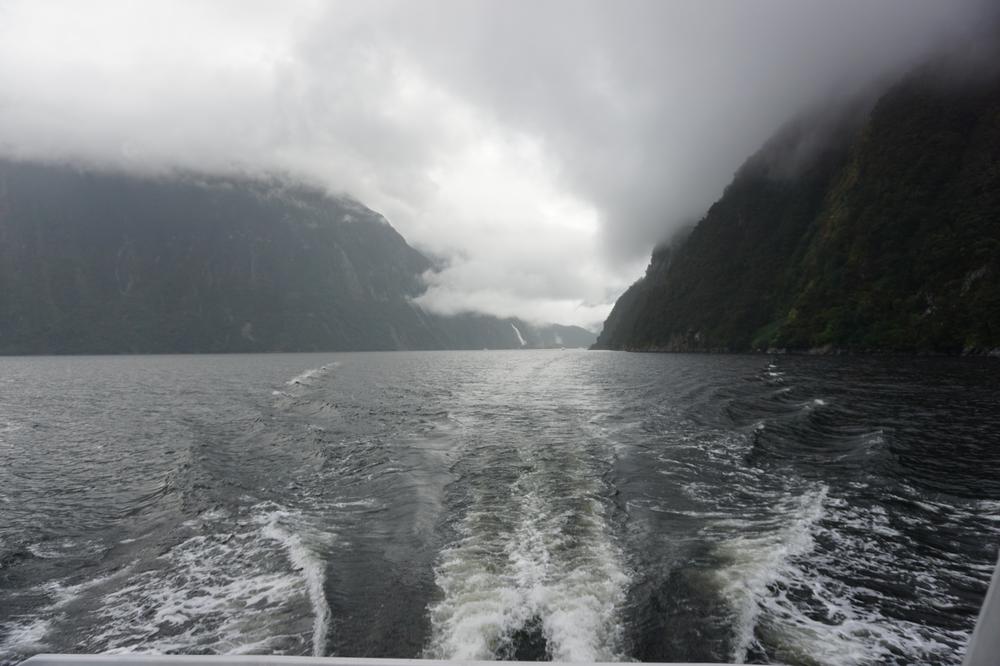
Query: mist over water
(562, 505)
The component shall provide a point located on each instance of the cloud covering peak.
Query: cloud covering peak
(539, 149)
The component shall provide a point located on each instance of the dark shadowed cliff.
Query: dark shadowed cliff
(95, 262)
(867, 229)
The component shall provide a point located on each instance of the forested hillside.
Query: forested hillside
(99, 262)
(866, 229)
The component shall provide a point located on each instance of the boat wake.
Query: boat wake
(539, 578)
(754, 565)
(309, 377)
(311, 568)
(235, 585)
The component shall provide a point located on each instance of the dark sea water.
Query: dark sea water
(569, 505)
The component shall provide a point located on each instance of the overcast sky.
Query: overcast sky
(541, 148)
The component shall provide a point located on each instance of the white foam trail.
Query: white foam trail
(55, 549)
(29, 634)
(228, 589)
(756, 562)
(778, 587)
(24, 637)
(497, 580)
(312, 570)
(520, 338)
(306, 377)
(578, 604)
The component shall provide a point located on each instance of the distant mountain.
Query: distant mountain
(870, 229)
(101, 262)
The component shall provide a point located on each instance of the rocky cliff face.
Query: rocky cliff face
(871, 229)
(94, 262)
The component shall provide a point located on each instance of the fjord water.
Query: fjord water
(483, 505)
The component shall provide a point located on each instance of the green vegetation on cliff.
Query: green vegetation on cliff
(876, 231)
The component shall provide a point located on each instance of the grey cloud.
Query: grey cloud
(465, 122)
(651, 106)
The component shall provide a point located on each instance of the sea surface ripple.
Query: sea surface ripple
(567, 505)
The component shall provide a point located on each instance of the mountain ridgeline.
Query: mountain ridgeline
(101, 262)
(873, 229)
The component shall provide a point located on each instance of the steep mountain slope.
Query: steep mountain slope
(877, 231)
(95, 262)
